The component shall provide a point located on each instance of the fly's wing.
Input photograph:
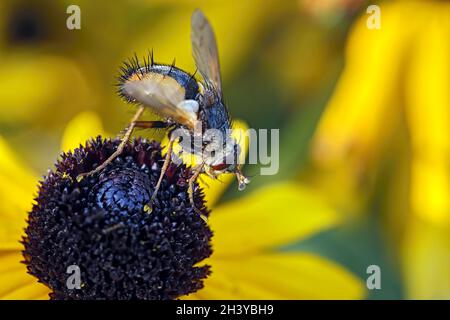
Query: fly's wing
(163, 94)
(204, 50)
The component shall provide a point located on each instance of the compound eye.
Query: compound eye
(220, 166)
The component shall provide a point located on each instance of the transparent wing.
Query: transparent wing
(162, 94)
(204, 50)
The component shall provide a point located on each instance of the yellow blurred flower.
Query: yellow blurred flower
(329, 9)
(246, 233)
(389, 115)
(235, 40)
(35, 77)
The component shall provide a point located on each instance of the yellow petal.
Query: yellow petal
(428, 100)
(32, 291)
(364, 108)
(280, 276)
(15, 282)
(267, 218)
(355, 119)
(17, 185)
(10, 261)
(426, 260)
(81, 128)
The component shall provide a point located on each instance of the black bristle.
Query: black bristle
(133, 67)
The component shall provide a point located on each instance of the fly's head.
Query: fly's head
(226, 160)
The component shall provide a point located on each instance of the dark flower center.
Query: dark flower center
(98, 226)
(123, 188)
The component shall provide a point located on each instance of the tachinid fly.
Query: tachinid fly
(184, 103)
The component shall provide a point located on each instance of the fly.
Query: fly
(183, 103)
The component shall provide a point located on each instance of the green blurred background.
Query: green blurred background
(363, 114)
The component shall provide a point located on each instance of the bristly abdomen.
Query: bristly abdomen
(133, 69)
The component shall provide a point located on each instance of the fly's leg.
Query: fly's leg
(151, 124)
(119, 148)
(134, 124)
(192, 179)
(148, 206)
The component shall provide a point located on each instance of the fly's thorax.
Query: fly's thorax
(213, 111)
